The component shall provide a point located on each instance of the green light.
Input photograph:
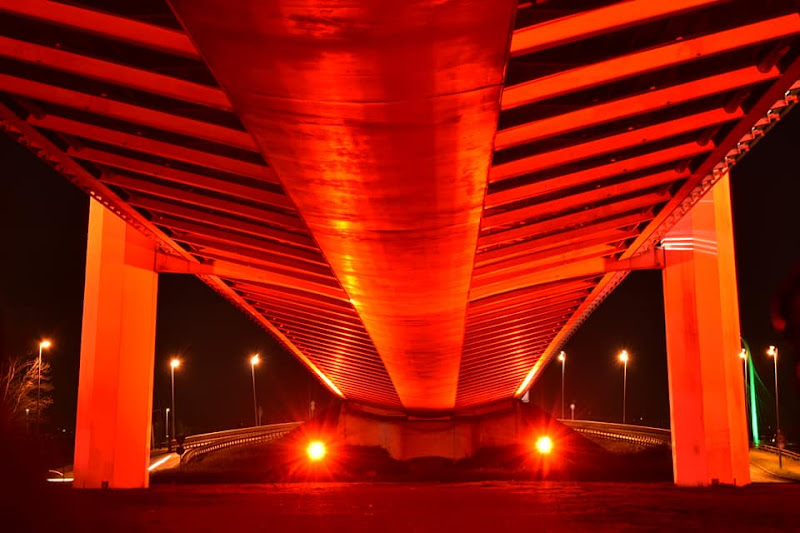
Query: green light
(753, 415)
(751, 388)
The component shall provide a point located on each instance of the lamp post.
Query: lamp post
(166, 425)
(563, 358)
(623, 356)
(572, 409)
(42, 345)
(173, 364)
(773, 352)
(253, 362)
(743, 357)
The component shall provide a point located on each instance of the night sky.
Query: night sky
(44, 230)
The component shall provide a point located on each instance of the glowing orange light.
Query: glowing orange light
(45, 344)
(175, 363)
(255, 360)
(316, 450)
(772, 352)
(623, 356)
(544, 445)
(562, 356)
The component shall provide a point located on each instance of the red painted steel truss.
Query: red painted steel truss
(613, 121)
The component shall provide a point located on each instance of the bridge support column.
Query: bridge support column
(707, 410)
(112, 437)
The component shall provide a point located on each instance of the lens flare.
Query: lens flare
(544, 445)
(316, 450)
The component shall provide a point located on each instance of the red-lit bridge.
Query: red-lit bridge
(421, 200)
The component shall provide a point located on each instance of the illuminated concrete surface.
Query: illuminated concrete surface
(115, 390)
(387, 165)
(701, 306)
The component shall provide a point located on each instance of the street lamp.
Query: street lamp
(253, 362)
(773, 352)
(563, 358)
(42, 345)
(623, 356)
(173, 364)
(743, 357)
(572, 409)
(166, 425)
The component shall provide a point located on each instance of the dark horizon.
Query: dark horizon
(45, 218)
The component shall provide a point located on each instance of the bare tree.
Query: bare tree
(19, 384)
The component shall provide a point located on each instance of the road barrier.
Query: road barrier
(197, 446)
(784, 452)
(645, 436)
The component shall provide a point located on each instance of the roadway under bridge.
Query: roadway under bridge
(421, 200)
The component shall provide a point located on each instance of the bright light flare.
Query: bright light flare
(175, 363)
(45, 344)
(316, 450)
(255, 360)
(562, 357)
(544, 445)
(743, 354)
(623, 356)
(772, 351)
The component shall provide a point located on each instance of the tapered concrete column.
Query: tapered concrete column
(706, 388)
(112, 437)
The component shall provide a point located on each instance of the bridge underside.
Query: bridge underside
(378, 120)
(422, 202)
(427, 200)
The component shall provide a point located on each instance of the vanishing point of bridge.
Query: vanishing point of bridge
(421, 200)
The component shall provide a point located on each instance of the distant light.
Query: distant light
(60, 480)
(562, 356)
(175, 363)
(255, 360)
(772, 352)
(45, 344)
(743, 354)
(316, 450)
(623, 356)
(544, 445)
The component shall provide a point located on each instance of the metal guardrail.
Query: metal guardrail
(639, 435)
(784, 452)
(198, 445)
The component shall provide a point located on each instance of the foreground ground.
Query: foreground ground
(484, 506)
